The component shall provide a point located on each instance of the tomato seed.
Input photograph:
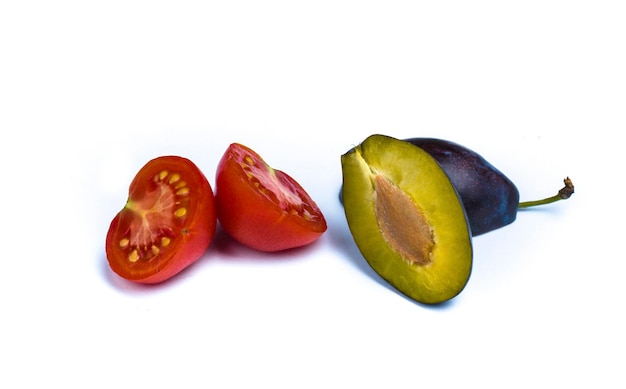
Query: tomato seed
(124, 243)
(133, 256)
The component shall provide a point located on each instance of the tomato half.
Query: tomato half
(261, 207)
(167, 223)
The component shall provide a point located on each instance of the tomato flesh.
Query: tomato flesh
(167, 223)
(261, 207)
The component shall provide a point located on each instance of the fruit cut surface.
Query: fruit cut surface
(407, 219)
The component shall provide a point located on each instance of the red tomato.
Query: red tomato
(261, 207)
(167, 224)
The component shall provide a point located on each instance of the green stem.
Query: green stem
(565, 193)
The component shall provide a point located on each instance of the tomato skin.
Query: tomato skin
(258, 206)
(169, 220)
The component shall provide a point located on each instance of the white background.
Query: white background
(90, 91)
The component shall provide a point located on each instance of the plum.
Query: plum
(413, 206)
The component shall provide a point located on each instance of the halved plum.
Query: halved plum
(407, 218)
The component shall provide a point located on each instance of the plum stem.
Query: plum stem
(565, 193)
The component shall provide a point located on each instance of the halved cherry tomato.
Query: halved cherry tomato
(263, 208)
(167, 223)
